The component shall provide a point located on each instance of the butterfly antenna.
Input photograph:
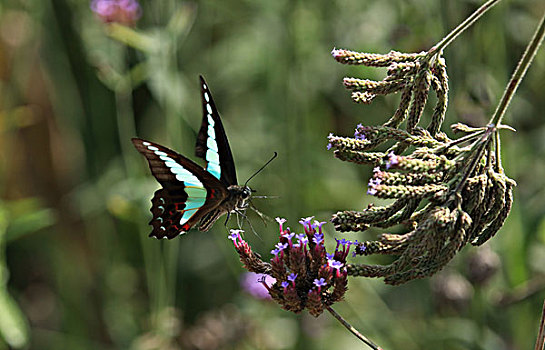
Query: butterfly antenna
(260, 169)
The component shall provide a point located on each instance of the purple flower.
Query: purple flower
(318, 224)
(292, 277)
(235, 234)
(329, 145)
(306, 221)
(303, 239)
(281, 246)
(319, 282)
(318, 238)
(284, 284)
(373, 183)
(253, 283)
(392, 160)
(281, 222)
(275, 252)
(288, 236)
(335, 264)
(120, 11)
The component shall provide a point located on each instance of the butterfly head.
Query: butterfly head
(241, 196)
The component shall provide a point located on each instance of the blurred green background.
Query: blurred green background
(77, 270)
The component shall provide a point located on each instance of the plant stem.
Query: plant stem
(520, 71)
(541, 334)
(352, 329)
(461, 28)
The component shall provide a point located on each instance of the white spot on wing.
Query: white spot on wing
(210, 120)
(211, 143)
(206, 97)
(211, 132)
(167, 159)
(208, 108)
(146, 143)
(153, 148)
(159, 153)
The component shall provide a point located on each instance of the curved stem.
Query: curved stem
(352, 329)
(520, 71)
(461, 28)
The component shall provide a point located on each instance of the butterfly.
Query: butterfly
(190, 194)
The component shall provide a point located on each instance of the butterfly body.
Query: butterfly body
(192, 195)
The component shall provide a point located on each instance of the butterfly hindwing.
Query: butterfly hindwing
(189, 192)
(212, 144)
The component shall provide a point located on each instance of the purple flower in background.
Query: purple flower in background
(119, 11)
(329, 145)
(252, 283)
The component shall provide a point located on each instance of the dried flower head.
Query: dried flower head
(304, 275)
(446, 192)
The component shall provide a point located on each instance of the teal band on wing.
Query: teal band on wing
(212, 157)
(187, 215)
(214, 169)
(194, 192)
(211, 132)
(212, 144)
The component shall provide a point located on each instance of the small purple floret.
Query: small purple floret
(392, 160)
(318, 238)
(319, 282)
(289, 236)
(281, 246)
(292, 277)
(280, 220)
(306, 221)
(335, 264)
(318, 224)
(284, 284)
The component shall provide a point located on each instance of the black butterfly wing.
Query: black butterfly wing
(188, 194)
(212, 144)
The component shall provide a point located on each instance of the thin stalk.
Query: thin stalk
(466, 138)
(520, 71)
(352, 329)
(478, 153)
(461, 28)
(540, 342)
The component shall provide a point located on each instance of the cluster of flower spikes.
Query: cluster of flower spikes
(445, 192)
(307, 277)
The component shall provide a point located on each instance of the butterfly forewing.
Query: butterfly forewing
(212, 144)
(189, 192)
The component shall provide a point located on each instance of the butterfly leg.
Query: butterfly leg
(245, 217)
(227, 219)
